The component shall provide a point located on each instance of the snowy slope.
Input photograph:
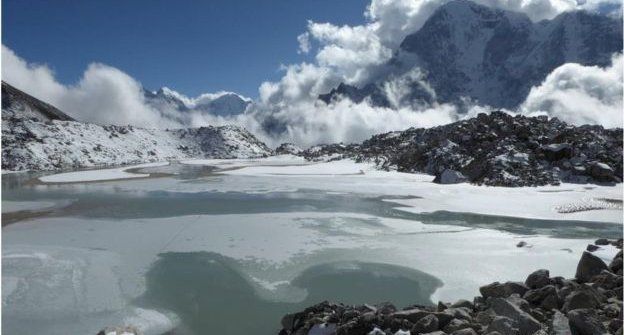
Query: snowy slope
(34, 144)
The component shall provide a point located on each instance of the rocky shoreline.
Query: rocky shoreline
(589, 304)
(495, 149)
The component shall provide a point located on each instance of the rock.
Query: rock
(426, 324)
(465, 331)
(442, 306)
(616, 264)
(128, 330)
(463, 303)
(504, 326)
(450, 177)
(288, 149)
(485, 317)
(557, 151)
(585, 322)
(545, 297)
(521, 244)
(456, 324)
(607, 280)
(580, 299)
(385, 308)
(602, 172)
(526, 323)
(592, 248)
(601, 241)
(439, 332)
(537, 279)
(560, 324)
(589, 266)
(459, 313)
(413, 315)
(326, 329)
(504, 290)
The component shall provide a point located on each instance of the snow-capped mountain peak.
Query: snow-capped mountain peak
(221, 103)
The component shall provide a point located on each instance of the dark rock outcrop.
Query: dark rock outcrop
(511, 308)
(494, 149)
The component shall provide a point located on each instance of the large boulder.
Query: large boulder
(602, 172)
(557, 151)
(580, 299)
(450, 177)
(526, 323)
(537, 279)
(585, 322)
(545, 297)
(560, 324)
(503, 326)
(426, 324)
(589, 266)
(503, 290)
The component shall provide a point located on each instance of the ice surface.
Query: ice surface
(100, 174)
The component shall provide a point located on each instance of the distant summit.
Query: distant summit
(219, 104)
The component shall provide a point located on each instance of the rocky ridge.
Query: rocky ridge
(589, 304)
(37, 136)
(495, 149)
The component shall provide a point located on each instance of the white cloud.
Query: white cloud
(104, 95)
(304, 43)
(580, 94)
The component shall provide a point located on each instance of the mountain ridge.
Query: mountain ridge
(492, 56)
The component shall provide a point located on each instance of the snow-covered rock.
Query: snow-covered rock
(33, 138)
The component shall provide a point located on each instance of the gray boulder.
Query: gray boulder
(465, 331)
(504, 326)
(585, 322)
(589, 266)
(526, 323)
(412, 315)
(427, 324)
(456, 324)
(580, 299)
(463, 303)
(545, 297)
(537, 279)
(504, 290)
(449, 176)
(602, 172)
(560, 324)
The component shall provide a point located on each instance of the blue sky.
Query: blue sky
(190, 46)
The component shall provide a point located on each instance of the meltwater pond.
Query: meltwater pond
(201, 252)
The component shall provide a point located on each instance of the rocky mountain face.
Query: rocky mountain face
(494, 56)
(496, 149)
(588, 304)
(37, 136)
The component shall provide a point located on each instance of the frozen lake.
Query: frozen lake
(231, 246)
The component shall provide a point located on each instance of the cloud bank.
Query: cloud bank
(581, 94)
(104, 94)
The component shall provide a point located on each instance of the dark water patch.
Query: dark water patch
(360, 282)
(210, 295)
